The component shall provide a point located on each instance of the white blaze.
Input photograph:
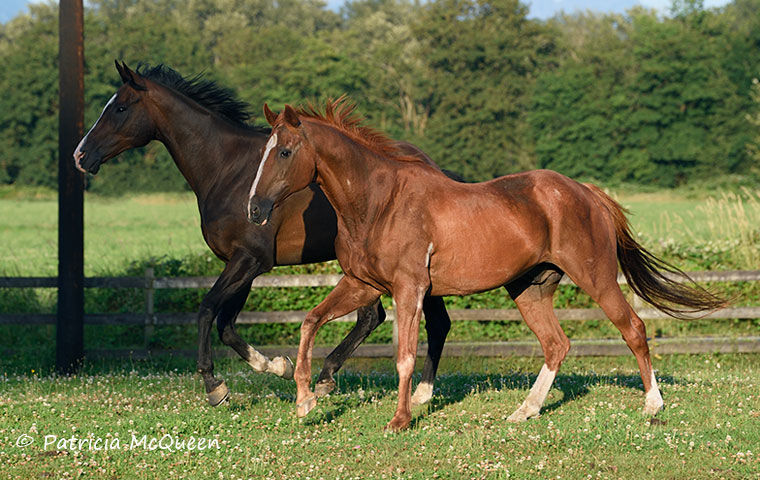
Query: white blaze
(270, 145)
(78, 152)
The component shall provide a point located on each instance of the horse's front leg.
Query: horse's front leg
(409, 301)
(367, 320)
(346, 297)
(223, 302)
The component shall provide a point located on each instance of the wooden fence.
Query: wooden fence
(148, 318)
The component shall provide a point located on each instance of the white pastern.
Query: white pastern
(531, 407)
(653, 402)
(270, 145)
(256, 360)
(78, 152)
(422, 394)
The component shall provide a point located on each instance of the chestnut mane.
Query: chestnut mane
(341, 114)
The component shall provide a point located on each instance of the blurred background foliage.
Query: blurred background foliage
(638, 98)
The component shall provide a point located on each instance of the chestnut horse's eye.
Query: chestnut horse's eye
(121, 109)
(285, 153)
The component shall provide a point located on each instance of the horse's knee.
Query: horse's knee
(227, 334)
(309, 324)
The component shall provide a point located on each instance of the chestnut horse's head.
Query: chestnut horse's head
(123, 124)
(288, 165)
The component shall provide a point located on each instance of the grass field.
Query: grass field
(117, 231)
(92, 425)
(592, 426)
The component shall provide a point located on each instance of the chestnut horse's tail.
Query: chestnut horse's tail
(646, 273)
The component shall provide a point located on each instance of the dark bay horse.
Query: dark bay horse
(406, 230)
(204, 129)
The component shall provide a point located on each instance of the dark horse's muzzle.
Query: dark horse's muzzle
(87, 163)
(259, 210)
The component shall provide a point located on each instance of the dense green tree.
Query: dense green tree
(378, 36)
(29, 104)
(657, 110)
(575, 106)
(485, 90)
(483, 57)
(753, 118)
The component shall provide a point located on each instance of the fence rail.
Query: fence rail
(148, 318)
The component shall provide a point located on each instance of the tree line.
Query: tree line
(639, 97)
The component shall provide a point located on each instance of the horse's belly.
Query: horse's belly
(476, 249)
(472, 271)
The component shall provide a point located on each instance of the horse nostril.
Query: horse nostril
(255, 211)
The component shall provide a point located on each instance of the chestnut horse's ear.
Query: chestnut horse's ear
(269, 115)
(129, 76)
(291, 117)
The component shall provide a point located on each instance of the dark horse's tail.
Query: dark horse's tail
(646, 273)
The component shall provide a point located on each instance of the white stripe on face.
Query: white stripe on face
(270, 145)
(78, 152)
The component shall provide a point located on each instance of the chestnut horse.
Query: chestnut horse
(204, 128)
(406, 230)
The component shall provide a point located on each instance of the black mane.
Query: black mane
(206, 92)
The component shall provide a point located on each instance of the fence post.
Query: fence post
(150, 318)
(69, 333)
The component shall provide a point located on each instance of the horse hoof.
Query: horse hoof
(282, 367)
(395, 425)
(218, 394)
(650, 410)
(523, 413)
(324, 387)
(303, 408)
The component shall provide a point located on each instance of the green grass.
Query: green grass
(117, 231)
(592, 426)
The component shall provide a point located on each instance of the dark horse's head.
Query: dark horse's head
(122, 125)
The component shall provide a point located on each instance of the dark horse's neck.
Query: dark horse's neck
(204, 145)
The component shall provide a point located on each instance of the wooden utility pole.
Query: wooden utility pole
(70, 321)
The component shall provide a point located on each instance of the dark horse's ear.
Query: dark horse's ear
(122, 74)
(291, 117)
(269, 115)
(129, 76)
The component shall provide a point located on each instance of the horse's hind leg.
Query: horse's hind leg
(367, 320)
(602, 286)
(533, 295)
(437, 325)
(634, 333)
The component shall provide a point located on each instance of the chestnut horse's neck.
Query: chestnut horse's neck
(357, 181)
(200, 141)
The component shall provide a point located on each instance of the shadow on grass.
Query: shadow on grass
(572, 386)
(450, 389)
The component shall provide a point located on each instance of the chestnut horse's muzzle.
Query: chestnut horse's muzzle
(259, 210)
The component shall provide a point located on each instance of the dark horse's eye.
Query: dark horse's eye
(121, 109)
(285, 153)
